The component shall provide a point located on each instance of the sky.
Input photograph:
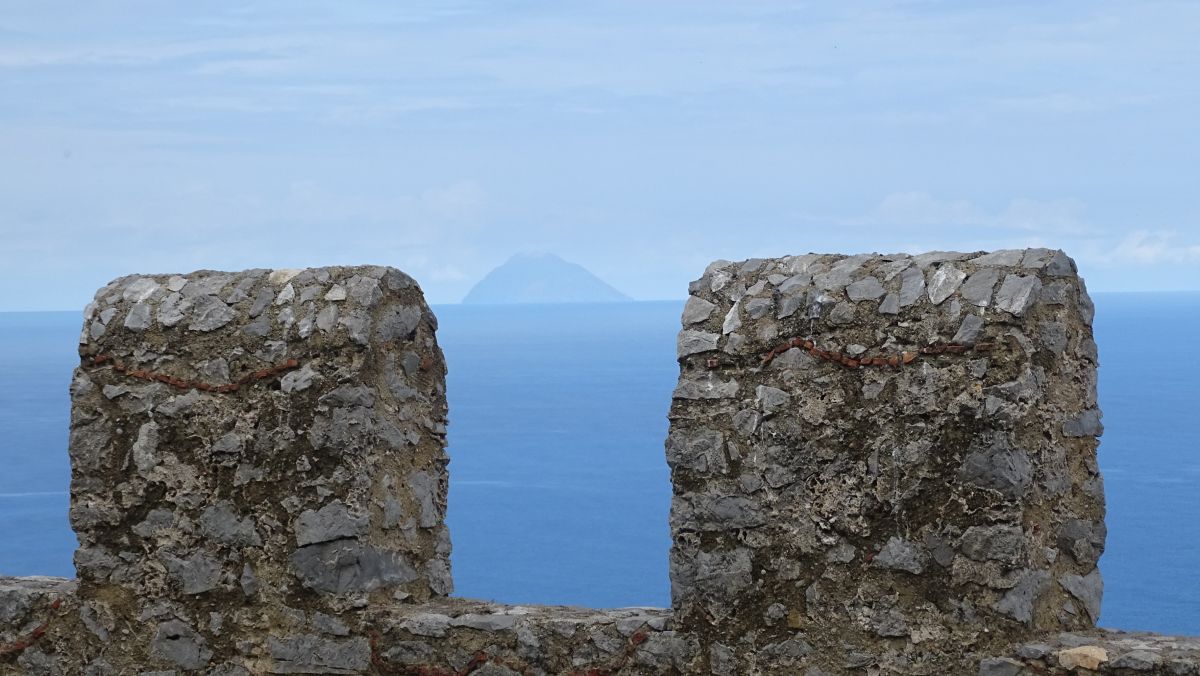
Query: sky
(639, 139)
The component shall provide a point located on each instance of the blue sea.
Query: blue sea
(559, 490)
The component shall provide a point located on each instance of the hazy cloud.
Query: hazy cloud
(641, 140)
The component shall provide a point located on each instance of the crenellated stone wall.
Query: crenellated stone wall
(880, 464)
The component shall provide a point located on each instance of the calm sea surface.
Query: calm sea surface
(558, 487)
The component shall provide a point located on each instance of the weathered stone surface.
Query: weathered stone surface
(929, 467)
(939, 513)
(694, 342)
(696, 310)
(260, 440)
(1017, 293)
(332, 522)
(899, 554)
(309, 654)
(867, 288)
(978, 288)
(1108, 652)
(943, 282)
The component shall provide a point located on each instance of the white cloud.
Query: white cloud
(1043, 217)
(1150, 247)
(919, 208)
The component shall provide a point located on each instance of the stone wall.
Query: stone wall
(881, 464)
(254, 445)
(889, 459)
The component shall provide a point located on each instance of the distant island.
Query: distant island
(541, 278)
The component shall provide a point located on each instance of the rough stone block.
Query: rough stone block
(245, 445)
(895, 468)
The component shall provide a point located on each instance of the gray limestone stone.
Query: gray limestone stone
(349, 396)
(286, 295)
(424, 491)
(1087, 424)
(397, 321)
(1060, 265)
(490, 622)
(248, 581)
(843, 313)
(179, 644)
(298, 381)
(968, 331)
(1017, 293)
(695, 342)
(943, 282)
(433, 625)
(890, 304)
(139, 317)
(332, 522)
(795, 284)
(770, 399)
(1005, 258)
(788, 306)
(700, 450)
(733, 319)
(757, 308)
(708, 512)
(1018, 603)
(210, 314)
(697, 310)
(1089, 589)
(1000, 666)
(196, 574)
(787, 652)
(912, 285)
(1036, 258)
(358, 326)
(867, 288)
(1054, 336)
(1003, 543)
(313, 654)
(171, 310)
(140, 289)
(336, 293)
(705, 388)
(1082, 539)
(1138, 660)
(364, 290)
(900, 554)
(1007, 470)
(220, 522)
(344, 566)
(888, 622)
(145, 448)
(230, 442)
(977, 290)
(262, 300)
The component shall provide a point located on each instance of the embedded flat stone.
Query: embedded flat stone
(867, 288)
(977, 290)
(697, 310)
(943, 282)
(1017, 293)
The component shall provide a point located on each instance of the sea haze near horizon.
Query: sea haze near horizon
(559, 488)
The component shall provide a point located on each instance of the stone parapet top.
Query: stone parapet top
(1102, 651)
(39, 623)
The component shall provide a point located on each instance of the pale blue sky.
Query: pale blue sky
(640, 139)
